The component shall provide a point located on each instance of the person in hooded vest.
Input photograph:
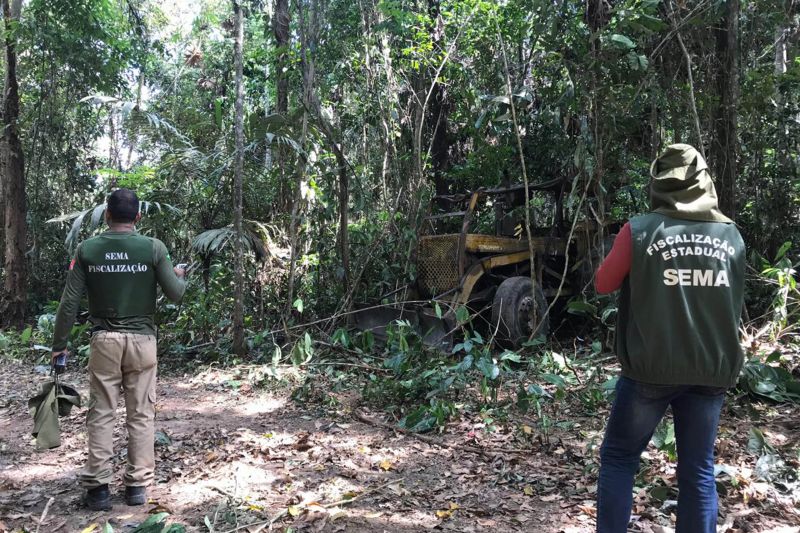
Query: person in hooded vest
(119, 270)
(680, 271)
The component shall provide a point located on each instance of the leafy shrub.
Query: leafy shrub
(767, 381)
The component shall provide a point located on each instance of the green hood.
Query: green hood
(681, 187)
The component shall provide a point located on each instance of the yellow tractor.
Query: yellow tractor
(466, 266)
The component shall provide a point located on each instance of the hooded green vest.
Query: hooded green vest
(679, 309)
(120, 275)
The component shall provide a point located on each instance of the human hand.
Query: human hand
(180, 270)
(59, 361)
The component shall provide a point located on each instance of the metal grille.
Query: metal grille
(437, 268)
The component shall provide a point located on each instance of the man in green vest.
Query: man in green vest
(119, 270)
(680, 269)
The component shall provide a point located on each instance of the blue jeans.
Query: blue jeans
(637, 410)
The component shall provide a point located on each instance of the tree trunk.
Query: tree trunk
(781, 61)
(280, 28)
(726, 146)
(781, 49)
(310, 36)
(238, 307)
(440, 145)
(281, 17)
(438, 111)
(344, 200)
(12, 174)
(294, 222)
(598, 18)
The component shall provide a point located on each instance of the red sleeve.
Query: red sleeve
(617, 264)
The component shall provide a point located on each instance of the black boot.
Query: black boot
(98, 498)
(135, 495)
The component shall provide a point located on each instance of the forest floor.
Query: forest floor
(230, 453)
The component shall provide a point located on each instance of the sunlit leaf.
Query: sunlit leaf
(26, 335)
(294, 510)
(622, 41)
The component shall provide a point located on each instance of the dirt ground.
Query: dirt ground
(229, 454)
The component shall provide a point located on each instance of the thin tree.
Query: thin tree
(725, 149)
(12, 175)
(238, 170)
(309, 39)
(281, 18)
(436, 118)
(280, 28)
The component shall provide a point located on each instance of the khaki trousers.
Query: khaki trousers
(121, 362)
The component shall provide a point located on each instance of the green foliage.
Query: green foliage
(10, 347)
(156, 523)
(256, 239)
(785, 304)
(32, 344)
(766, 380)
(424, 379)
(429, 388)
(664, 439)
(427, 417)
(757, 442)
(770, 465)
(303, 350)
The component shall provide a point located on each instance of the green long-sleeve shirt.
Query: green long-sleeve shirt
(120, 270)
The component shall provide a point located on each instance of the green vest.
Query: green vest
(120, 275)
(679, 308)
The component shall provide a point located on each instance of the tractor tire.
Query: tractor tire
(513, 312)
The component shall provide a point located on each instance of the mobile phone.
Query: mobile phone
(60, 363)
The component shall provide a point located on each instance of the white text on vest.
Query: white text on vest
(695, 277)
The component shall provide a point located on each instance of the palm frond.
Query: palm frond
(257, 238)
(135, 116)
(72, 235)
(97, 217)
(64, 218)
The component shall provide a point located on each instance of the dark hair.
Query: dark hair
(123, 205)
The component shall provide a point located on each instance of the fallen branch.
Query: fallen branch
(731, 519)
(319, 363)
(363, 494)
(352, 365)
(225, 493)
(267, 523)
(283, 512)
(338, 315)
(569, 365)
(44, 513)
(435, 442)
